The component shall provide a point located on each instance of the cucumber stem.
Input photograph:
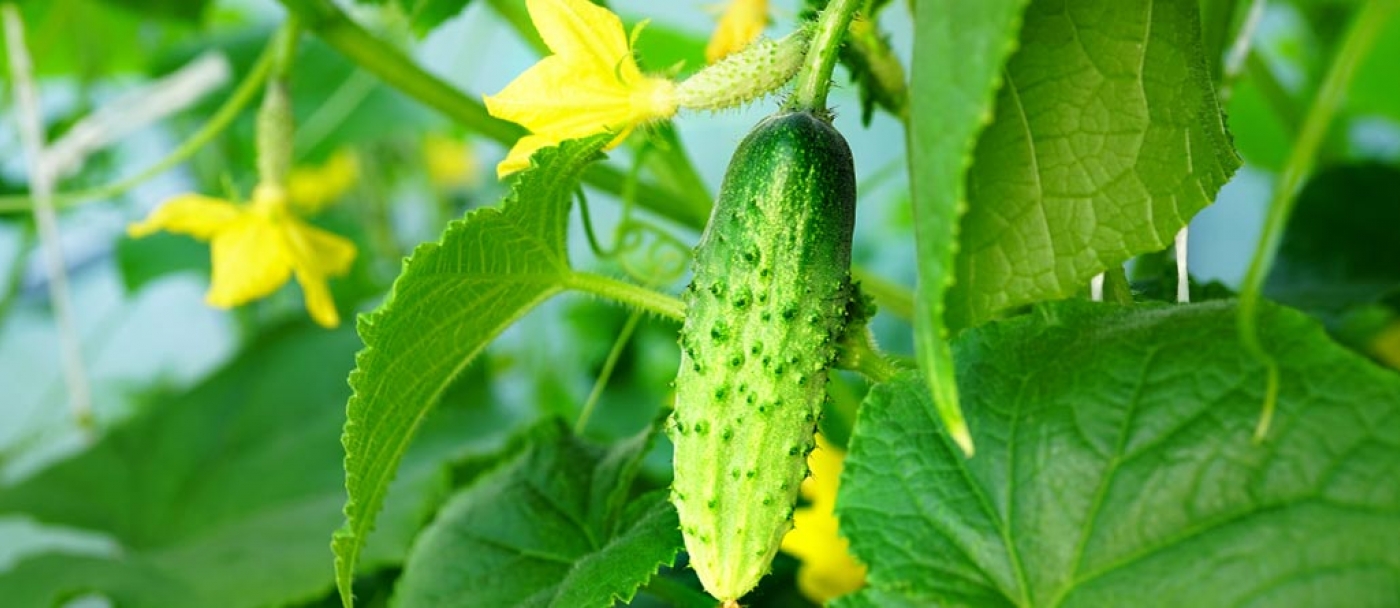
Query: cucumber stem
(635, 296)
(814, 79)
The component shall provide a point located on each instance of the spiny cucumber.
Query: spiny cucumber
(764, 311)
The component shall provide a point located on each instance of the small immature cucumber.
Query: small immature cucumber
(766, 307)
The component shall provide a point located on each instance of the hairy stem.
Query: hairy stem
(635, 296)
(814, 80)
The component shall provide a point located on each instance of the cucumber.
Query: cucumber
(764, 311)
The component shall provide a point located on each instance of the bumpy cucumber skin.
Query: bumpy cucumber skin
(763, 314)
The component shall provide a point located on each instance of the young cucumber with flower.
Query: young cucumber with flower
(771, 290)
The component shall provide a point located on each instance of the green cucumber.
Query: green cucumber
(764, 311)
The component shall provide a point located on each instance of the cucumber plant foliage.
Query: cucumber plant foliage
(555, 525)
(1071, 136)
(1044, 452)
(1116, 467)
(451, 299)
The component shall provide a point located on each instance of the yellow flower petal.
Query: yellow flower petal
(316, 255)
(828, 570)
(315, 250)
(823, 581)
(585, 33)
(250, 261)
(557, 99)
(319, 303)
(311, 189)
(742, 22)
(519, 157)
(590, 85)
(192, 214)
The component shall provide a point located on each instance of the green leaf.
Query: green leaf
(959, 50)
(1107, 140)
(1118, 469)
(236, 481)
(1339, 249)
(552, 527)
(452, 298)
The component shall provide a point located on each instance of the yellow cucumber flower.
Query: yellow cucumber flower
(742, 22)
(257, 247)
(451, 162)
(590, 85)
(311, 189)
(828, 571)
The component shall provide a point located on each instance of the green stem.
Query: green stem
(216, 125)
(609, 365)
(814, 80)
(1360, 37)
(636, 296)
(397, 70)
(382, 59)
(860, 354)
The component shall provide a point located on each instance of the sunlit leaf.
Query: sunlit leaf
(1107, 140)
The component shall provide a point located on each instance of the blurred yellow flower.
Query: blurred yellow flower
(828, 571)
(311, 189)
(451, 162)
(742, 22)
(590, 85)
(257, 247)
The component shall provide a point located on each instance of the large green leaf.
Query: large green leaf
(959, 49)
(1117, 468)
(222, 496)
(553, 527)
(1107, 140)
(452, 298)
